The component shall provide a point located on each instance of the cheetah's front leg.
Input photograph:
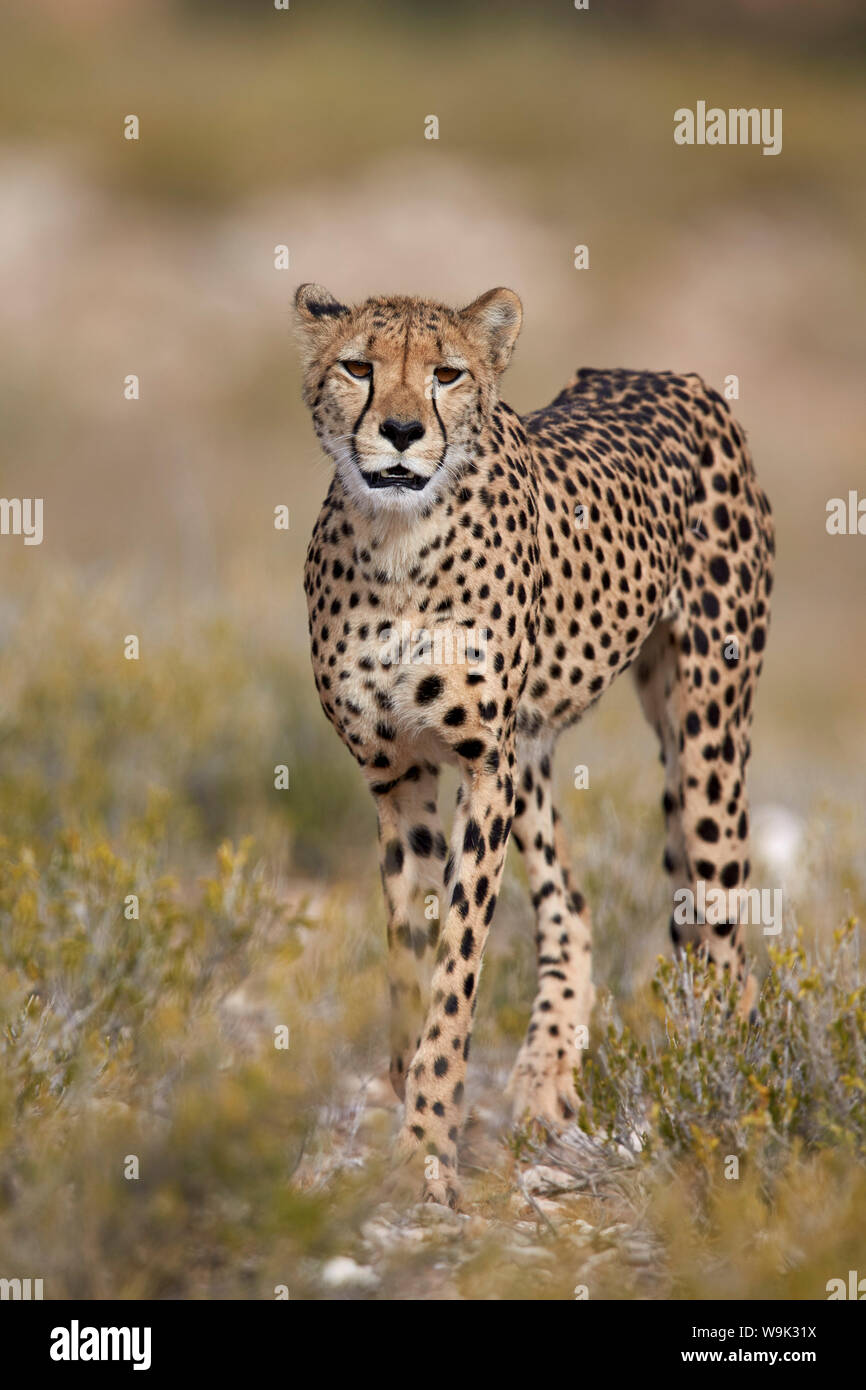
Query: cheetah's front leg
(435, 1084)
(542, 1083)
(411, 858)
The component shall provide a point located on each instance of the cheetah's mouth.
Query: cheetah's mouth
(397, 476)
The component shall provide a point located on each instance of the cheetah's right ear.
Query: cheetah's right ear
(316, 312)
(314, 303)
(497, 316)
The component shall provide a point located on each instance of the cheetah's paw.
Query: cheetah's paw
(542, 1088)
(415, 1168)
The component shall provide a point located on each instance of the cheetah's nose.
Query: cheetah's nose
(402, 433)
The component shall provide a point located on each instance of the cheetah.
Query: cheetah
(475, 581)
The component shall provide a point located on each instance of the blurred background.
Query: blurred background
(155, 257)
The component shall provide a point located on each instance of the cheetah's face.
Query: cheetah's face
(400, 389)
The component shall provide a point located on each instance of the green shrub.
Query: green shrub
(706, 1079)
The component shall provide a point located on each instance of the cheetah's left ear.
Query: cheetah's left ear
(497, 316)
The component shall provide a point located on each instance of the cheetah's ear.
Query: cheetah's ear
(316, 311)
(314, 303)
(497, 317)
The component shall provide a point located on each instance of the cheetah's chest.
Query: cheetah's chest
(390, 676)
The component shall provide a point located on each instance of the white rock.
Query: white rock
(543, 1178)
(342, 1271)
(529, 1253)
(778, 836)
(434, 1214)
(617, 1229)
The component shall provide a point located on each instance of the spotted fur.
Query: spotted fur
(620, 526)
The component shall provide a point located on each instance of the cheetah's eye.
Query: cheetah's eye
(358, 369)
(445, 375)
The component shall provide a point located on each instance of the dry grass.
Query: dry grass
(153, 1036)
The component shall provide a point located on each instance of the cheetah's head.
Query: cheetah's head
(400, 389)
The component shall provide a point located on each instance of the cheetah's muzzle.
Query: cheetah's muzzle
(620, 526)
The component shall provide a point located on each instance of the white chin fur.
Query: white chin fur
(396, 501)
